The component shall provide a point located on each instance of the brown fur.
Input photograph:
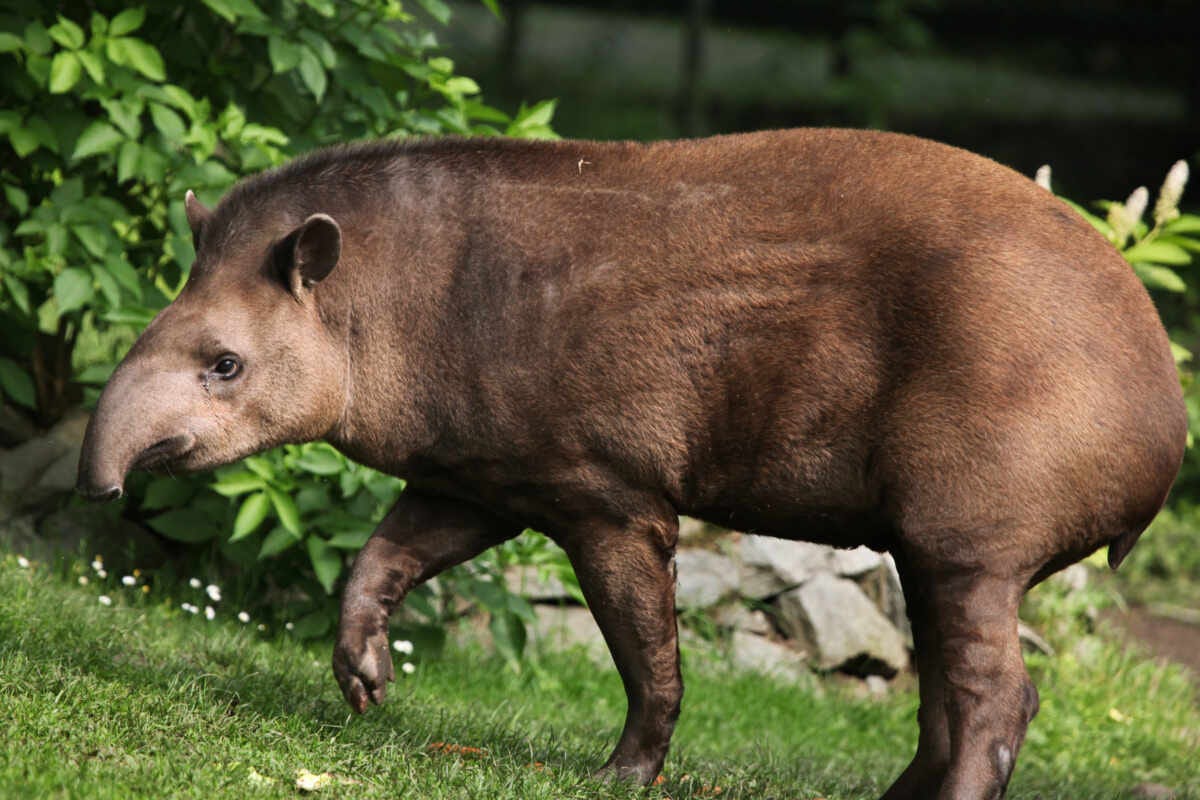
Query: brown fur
(847, 337)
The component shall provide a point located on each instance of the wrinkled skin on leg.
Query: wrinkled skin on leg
(420, 537)
(628, 578)
(977, 699)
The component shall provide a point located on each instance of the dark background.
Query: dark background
(1107, 92)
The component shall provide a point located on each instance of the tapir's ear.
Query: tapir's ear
(197, 215)
(309, 253)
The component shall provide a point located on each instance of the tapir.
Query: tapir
(847, 337)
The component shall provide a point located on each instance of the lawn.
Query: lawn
(141, 699)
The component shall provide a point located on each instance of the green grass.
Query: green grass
(142, 700)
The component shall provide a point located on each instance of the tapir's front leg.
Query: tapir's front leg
(628, 578)
(420, 537)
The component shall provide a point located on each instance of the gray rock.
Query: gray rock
(842, 628)
(42, 467)
(736, 616)
(882, 585)
(761, 655)
(704, 578)
(561, 627)
(770, 566)
(528, 582)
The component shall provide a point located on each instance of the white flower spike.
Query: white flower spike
(1042, 178)
(195, 583)
(1124, 218)
(129, 580)
(408, 668)
(243, 617)
(209, 613)
(403, 646)
(22, 562)
(1166, 208)
(105, 600)
(214, 592)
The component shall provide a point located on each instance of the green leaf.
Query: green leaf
(93, 65)
(232, 10)
(37, 39)
(67, 33)
(24, 141)
(16, 383)
(493, 7)
(93, 239)
(284, 55)
(108, 285)
(437, 9)
(350, 540)
(285, 509)
(312, 73)
(1156, 277)
(319, 461)
(1158, 252)
(169, 123)
(185, 525)
(165, 492)
(127, 21)
(461, 85)
(99, 137)
(1184, 224)
(10, 42)
(508, 634)
(325, 8)
(237, 483)
(65, 71)
(17, 198)
(127, 160)
(250, 515)
(275, 542)
(320, 46)
(326, 562)
(18, 292)
(137, 54)
(72, 289)
(313, 625)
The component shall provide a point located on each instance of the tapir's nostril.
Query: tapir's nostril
(105, 494)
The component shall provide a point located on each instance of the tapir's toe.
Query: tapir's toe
(363, 667)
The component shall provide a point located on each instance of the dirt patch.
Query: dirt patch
(1162, 636)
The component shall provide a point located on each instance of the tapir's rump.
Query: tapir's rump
(843, 336)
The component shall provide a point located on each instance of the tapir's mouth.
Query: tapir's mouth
(165, 453)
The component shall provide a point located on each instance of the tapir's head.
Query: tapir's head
(242, 360)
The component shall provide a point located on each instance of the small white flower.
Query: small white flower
(290, 626)
(83, 580)
(188, 607)
(101, 573)
(1043, 177)
(403, 646)
(98, 563)
(195, 583)
(22, 562)
(243, 617)
(105, 600)
(214, 592)
(262, 627)
(128, 580)
(209, 613)
(408, 668)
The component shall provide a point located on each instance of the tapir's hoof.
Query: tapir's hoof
(362, 666)
(639, 774)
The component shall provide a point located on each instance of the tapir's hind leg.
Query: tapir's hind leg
(627, 577)
(923, 776)
(988, 700)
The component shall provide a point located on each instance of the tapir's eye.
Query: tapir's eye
(226, 367)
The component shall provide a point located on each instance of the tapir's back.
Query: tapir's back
(865, 324)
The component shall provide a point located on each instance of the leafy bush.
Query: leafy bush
(111, 114)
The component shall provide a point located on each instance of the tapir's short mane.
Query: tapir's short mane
(360, 166)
